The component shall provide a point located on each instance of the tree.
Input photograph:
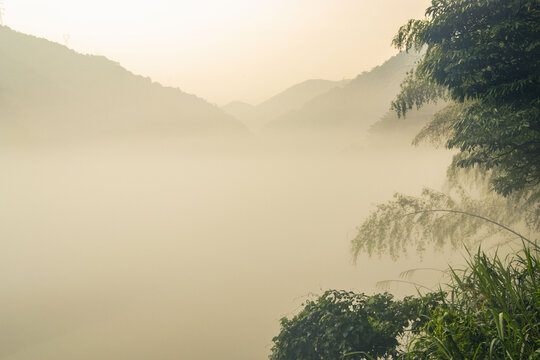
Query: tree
(484, 56)
(340, 323)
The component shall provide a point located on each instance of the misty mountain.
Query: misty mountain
(49, 90)
(356, 105)
(403, 130)
(291, 99)
(242, 111)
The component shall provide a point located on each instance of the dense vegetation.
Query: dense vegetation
(492, 312)
(483, 58)
(489, 310)
(341, 322)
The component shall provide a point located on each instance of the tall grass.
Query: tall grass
(492, 311)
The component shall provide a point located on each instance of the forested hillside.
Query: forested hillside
(354, 106)
(49, 90)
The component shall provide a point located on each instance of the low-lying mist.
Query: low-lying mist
(187, 248)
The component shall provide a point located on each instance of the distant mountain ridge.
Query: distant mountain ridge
(356, 105)
(244, 112)
(291, 99)
(47, 89)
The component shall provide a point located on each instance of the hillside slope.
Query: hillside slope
(246, 113)
(49, 90)
(356, 105)
(291, 99)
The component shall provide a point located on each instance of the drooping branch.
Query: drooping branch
(410, 272)
(475, 216)
(447, 219)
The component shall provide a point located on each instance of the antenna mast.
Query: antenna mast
(66, 38)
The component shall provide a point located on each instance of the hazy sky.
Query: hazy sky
(225, 50)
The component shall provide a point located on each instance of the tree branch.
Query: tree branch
(478, 217)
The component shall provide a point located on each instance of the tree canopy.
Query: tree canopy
(340, 324)
(483, 55)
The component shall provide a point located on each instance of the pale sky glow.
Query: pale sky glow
(225, 50)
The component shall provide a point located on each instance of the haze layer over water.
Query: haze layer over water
(178, 249)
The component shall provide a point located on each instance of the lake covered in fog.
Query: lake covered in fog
(186, 250)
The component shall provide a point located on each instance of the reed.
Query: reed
(492, 311)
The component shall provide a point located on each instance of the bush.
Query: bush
(341, 323)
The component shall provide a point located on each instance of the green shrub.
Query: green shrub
(341, 323)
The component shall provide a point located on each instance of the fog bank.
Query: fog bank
(186, 249)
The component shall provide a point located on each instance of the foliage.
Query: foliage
(445, 218)
(492, 312)
(440, 126)
(483, 55)
(417, 91)
(390, 128)
(341, 323)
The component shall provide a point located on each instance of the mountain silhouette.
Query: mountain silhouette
(291, 99)
(49, 90)
(356, 105)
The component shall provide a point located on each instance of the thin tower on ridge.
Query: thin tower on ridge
(66, 39)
